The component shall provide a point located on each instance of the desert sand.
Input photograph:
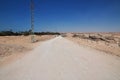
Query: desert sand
(106, 42)
(10, 45)
(61, 59)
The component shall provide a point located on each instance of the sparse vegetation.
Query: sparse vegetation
(25, 33)
(47, 33)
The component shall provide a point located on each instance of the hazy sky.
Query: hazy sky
(61, 15)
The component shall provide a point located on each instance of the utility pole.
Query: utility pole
(32, 21)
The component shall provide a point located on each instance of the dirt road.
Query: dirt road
(61, 59)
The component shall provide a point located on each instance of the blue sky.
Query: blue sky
(61, 15)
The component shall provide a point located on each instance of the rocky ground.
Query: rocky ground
(107, 42)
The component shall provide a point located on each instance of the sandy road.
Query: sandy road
(60, 59)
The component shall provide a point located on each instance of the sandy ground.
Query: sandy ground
(61, 59)
(109, 46)
(10, 45)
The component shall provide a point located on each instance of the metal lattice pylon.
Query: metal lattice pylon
(32, 21)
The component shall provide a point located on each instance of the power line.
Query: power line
(32, 21)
